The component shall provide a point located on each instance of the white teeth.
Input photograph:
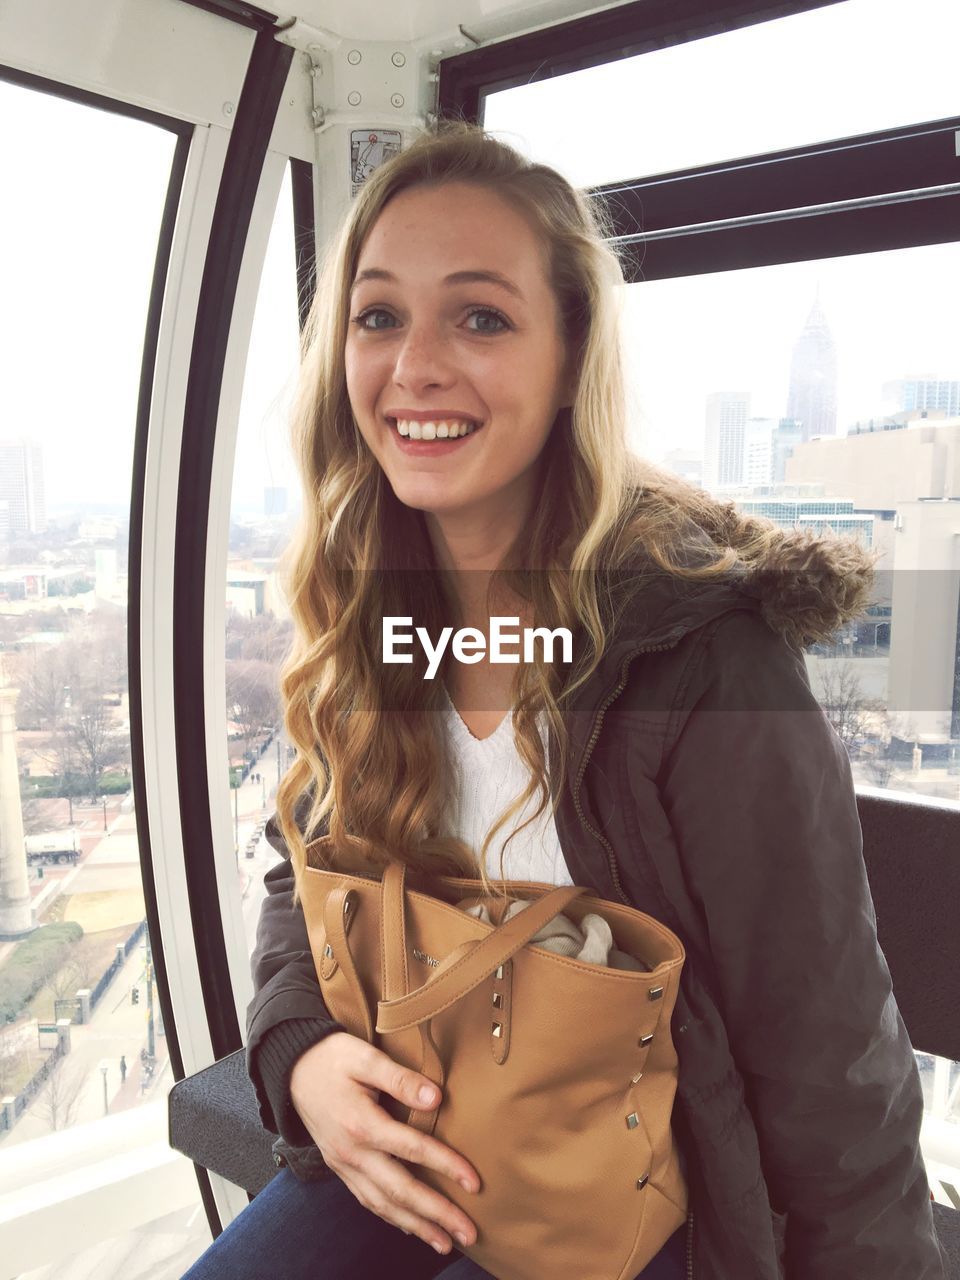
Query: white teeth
(439, 430)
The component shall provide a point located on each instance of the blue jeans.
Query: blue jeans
(295, 1230)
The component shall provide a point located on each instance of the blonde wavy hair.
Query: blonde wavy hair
(371, 770)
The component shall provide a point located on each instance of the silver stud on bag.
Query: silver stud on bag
(655, 993)
(642, 1182)
(645, 1040)
(499, 970)
(497, 999)
(328, 950)
(638, 1076)
(632, 1120)
(498, 1028)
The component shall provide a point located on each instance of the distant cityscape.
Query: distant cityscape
(893, 482)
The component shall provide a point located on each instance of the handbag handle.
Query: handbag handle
(401, 1009)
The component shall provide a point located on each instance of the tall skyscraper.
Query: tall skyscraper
(724, 439)
(21, 486)
(812, 399)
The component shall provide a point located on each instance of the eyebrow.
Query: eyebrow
(455, 277)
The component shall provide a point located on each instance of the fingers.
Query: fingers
(414, 1090)
(366, 1147)
(422, 1148)
(409, 1087)
(389, 1190)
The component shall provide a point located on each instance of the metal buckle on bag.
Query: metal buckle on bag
(350, 901)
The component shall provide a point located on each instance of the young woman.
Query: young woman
(462, 438)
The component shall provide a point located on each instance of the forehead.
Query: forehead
(451, 226)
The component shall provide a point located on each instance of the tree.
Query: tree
(40, 675)
(59, 1097)
(841, 696)
(97, 743)
(252, 697)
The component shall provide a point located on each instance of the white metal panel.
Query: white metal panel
(63, 1193)
(423, 21)
(218, 529)
(164, 442)
(158, 54)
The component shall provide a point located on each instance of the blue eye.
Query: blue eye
(502, 323)
(374, 311)
(489, 311)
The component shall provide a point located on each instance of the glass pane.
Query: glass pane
(794, 390)
(264, 504)
(846, 69)
(81, 1035)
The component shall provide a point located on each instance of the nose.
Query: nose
(422, 359)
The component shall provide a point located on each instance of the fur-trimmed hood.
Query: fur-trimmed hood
(806, 587)
(809, 586)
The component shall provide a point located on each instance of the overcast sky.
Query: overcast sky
(78, 233)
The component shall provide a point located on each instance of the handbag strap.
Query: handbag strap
(400, 1008)
(358, 1021)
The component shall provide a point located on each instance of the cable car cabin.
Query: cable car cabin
(774, 188)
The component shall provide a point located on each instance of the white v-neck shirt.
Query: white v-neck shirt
(490, 775)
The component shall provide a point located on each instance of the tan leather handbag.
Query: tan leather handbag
(558, 1076)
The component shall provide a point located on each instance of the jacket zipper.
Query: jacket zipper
(690, 1245)
(598, 722)
(614, 869)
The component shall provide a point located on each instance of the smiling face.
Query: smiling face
(435, 339)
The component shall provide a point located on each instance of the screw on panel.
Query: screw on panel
(398, 59)
(228, 108)
(354, 98)
(397, 99)
(354, 56)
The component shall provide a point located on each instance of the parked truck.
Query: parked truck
(50, 848)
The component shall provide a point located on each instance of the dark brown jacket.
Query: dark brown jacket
(707, 788)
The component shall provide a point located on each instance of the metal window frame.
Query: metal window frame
(246, 153)
(896, 188)
(304, 234)
(247, 15)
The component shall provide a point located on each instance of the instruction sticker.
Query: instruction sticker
(368, 149)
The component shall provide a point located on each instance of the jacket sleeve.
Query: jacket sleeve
(759, 792)
(287, 1013)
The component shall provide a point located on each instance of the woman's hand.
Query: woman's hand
(334, 1086)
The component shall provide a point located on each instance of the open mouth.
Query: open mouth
(439, 430)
